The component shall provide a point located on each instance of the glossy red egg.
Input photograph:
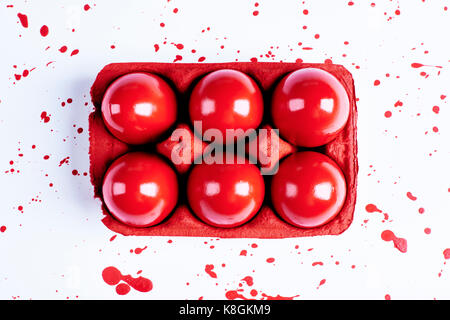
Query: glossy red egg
(138, 107)
(309, 189)
(227, 99)
(140, 189)
(225, 195)
(310, 107)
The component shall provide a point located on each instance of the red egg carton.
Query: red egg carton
(104, 148)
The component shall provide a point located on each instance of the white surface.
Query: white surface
(58, 247)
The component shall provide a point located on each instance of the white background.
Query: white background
(57, 247)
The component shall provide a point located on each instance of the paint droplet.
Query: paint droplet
(399, 243)
(123, 289)
(388, 114)
(446, 254)
(45, 117)
(376, 83)
(209, 270)
(410, 196)
(23, 20)
(372, 208)
(44, 31)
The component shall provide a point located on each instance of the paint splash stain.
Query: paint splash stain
(399, 243)
(372, 208)
(45, 117)
(112, 276)
(410, 196)
(209, 270)
(44, 31)
(23, 19)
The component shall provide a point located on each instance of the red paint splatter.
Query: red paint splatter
(178, 58)
(243, 253)
(277, 297)
(399, 243)
(209, 270)
(139, 250)
(421, 210)
(436, 109)
(64, 161)
(372, 208)
(156, 47)
(112, 276)
(179, 46)
(74, 52)
(318, 263)
(63, 49)
(420, 65)
(44, 31)
(427, 230)
(321, 283)
(248, 280)
(86, 7)
(387, 297)
(376, 83)
(2, 229)
(122, 289)
(305, 12)
(410, 196)
(234, 294)
(255, 13)
(201, 59)
(23, 19)
(270, 260)
(435, 129)
(446, 254)
(80, 130)
(45, 117)
(388, 114)
(254, 59)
